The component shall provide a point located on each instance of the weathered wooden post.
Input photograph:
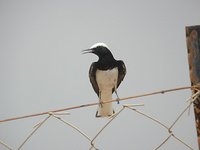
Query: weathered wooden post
(193, 46)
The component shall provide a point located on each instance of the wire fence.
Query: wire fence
(57, 114)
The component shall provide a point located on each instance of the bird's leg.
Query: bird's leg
(117, 96)
(100, 102)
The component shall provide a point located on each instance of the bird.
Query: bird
(105, 76)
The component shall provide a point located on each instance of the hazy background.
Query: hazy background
(42, 68)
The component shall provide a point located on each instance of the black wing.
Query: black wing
(122, 71)
(92, 76)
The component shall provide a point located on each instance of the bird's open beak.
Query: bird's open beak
(87, 51)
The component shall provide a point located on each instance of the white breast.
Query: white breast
(107, 80)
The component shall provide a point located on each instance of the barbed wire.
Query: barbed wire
(92, 104)
(57, 115)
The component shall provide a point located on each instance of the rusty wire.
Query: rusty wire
(56, 115)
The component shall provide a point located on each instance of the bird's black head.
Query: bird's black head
(100, 49)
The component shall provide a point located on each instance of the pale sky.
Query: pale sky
(42, 69)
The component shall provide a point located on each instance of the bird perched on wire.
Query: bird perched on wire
(105, 76)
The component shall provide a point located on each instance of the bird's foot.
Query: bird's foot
(100, 104)
(117, 96)
(118, 100)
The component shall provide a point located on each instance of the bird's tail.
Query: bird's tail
(105, 110)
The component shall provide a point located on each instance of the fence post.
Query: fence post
(193, 46)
